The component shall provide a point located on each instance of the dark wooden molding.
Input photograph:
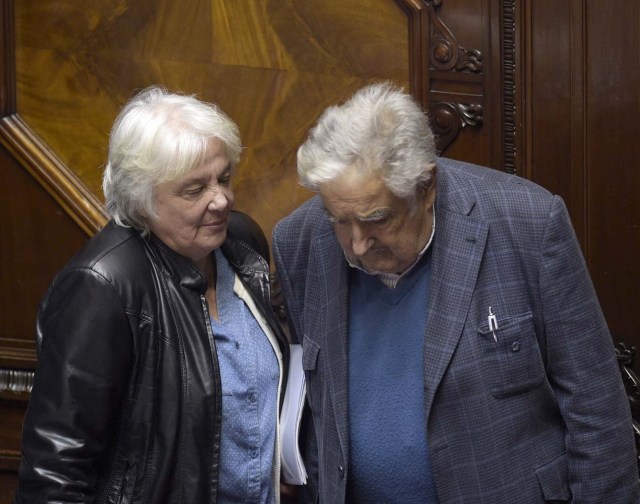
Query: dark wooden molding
(7, 59)
(55, 177)
(9, 460)
(418, 56)
(17, 354)
(508, 24)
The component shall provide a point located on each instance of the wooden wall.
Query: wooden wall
(271, 65)
(547, 90)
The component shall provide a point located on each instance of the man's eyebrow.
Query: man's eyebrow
(376, 215)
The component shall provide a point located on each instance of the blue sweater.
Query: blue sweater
(389, 455)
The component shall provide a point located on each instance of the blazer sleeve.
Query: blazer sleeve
(79, 383)
(583, 371)
(288, 261)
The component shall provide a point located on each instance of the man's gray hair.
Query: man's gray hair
(157, 137)
(381, 129)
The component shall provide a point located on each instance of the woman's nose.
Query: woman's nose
(219, 200)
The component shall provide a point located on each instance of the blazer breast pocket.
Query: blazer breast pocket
(511, 357)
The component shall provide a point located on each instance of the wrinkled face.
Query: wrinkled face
(192, 211)
(377, 230)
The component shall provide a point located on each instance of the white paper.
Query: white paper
(293, 470)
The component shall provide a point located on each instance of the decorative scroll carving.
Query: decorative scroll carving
(16, 381)
(445, 52)
(509, 86)
(447, 119)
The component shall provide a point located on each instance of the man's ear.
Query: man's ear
(431, 183)
(433, 169)
(429, 187)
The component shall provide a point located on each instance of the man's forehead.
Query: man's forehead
(362, 206)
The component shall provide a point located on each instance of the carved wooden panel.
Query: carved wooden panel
(456, 74)
(473, 81)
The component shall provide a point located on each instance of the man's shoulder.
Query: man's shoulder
(308, 218)
(484, 177)
(489, 190)
(303, 230)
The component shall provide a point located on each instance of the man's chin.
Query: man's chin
(373, 267)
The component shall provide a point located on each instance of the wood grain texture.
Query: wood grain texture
(273, 66)
(38, 238)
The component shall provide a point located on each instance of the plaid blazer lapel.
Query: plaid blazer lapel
(458, 249)
(332, 277)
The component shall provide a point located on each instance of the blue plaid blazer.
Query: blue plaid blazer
(539, 416)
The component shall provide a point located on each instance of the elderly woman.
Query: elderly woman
(161, 364)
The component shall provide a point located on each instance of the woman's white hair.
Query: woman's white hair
(157, 137)
(380, 129)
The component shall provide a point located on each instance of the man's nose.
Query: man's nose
(361, 242)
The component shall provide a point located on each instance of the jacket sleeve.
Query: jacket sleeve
(293, 305)
(583, 371)
(78, 388)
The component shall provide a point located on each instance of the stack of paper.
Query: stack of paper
(293, 470)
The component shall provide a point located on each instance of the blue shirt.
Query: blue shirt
(389, 455)
(250, 375)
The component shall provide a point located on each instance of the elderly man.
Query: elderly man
(453, 345)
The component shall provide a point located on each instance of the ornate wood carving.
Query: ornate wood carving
(448, 118)
(450, 63)
(65, 187)
(16, 381)
(445, 52)
(509, 86)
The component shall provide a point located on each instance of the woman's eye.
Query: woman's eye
(193, 191)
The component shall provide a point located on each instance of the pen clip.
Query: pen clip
(493, 324)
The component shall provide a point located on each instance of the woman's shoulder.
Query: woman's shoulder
(115, 253)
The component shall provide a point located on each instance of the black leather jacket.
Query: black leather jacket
(126, 404)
